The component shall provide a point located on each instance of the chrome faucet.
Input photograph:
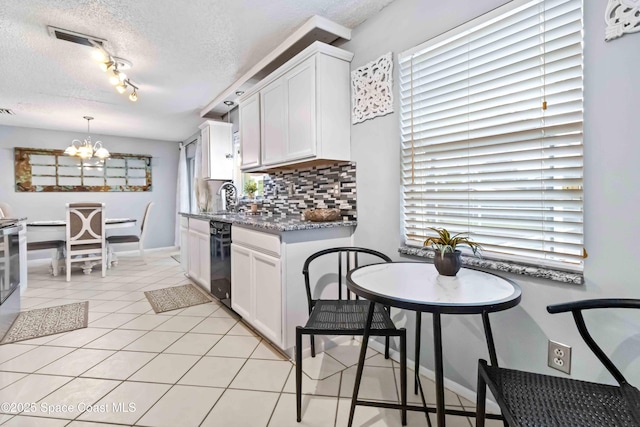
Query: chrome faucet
(228, 186)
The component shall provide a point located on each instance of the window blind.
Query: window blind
(491, 125)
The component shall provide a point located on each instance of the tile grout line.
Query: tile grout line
(178, 380)
(181, 334)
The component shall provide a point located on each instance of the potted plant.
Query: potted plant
(250, 188)
(447, 258)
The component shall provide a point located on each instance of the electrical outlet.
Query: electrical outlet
(336, 190)
(559, 357)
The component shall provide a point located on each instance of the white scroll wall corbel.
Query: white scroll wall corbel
(622, 17)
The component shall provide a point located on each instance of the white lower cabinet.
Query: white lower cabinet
(241, 281)
(22, 242)
(267, 285)
(198, 265)
(268, 295)
(256, 288)
(184, 244)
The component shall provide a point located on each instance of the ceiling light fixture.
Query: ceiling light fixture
(114, 65)
(228, 103)
(85, 149)
(134, 96)
(239, 92)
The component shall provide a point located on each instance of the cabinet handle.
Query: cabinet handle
(229, 156)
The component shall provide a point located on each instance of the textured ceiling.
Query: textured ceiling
(184, 54)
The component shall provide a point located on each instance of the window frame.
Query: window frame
(410, 247)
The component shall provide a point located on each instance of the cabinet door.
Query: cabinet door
(300, 88)
(250, 132)
(204, 263)
(204, 143)
(220, 151)
(22, 242)
(241, 293)
(267, 282)
(273, 122)
(184, 249)
(194, 256)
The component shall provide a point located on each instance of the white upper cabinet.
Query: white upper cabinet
(304, 111)
(250, 132)
(273, 121)
(300, 89)
(217, 150)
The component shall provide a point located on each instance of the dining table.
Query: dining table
(109, 224)
(418, 287)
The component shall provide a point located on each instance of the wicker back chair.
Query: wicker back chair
(346, 314)
(529, 399)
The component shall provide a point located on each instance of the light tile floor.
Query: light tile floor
(198, 366)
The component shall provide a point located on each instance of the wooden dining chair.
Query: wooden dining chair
(133, 238)
(57, 252)
(6, 211)
(85, 237)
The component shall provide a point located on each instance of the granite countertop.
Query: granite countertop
(273, 223)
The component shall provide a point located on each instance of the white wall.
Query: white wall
(612, 103)
(48, 206)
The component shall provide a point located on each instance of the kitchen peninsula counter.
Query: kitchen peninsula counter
(266, 256)
(270, 223)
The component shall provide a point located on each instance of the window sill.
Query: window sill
(504, 266)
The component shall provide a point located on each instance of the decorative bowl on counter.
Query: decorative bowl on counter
(321, 215)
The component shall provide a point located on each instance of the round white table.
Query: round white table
(417, 286)
(109, 224)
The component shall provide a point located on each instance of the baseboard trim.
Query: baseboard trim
(47, 259)
(150, 250)
(451, 385)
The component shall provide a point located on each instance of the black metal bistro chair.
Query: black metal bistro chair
(529, 399)
(345, 315)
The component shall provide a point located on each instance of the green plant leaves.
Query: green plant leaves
(445, 242)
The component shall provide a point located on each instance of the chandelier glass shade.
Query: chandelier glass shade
(86, 149)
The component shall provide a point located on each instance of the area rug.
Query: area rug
(47, 321)
(176, 297)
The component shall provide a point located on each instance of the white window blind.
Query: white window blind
(491, 124)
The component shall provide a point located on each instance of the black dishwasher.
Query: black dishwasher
(221, 261)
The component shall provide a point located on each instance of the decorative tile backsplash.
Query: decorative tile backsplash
(291, 192)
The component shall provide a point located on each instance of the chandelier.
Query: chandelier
(85, 149)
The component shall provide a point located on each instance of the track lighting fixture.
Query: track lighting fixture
(134, 96)
(114, 67)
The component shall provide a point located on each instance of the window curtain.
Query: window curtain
(182, 191)
(200, 185)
